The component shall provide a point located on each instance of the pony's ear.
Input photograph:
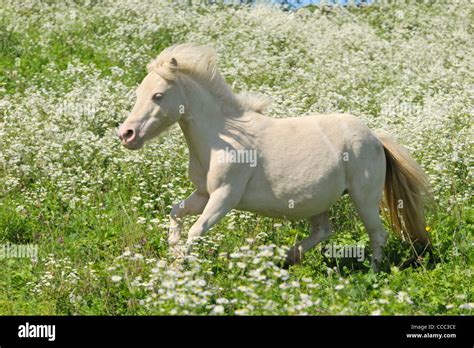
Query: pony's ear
(174, 62)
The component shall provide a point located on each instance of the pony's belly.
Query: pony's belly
(295, 188)
(291, 205)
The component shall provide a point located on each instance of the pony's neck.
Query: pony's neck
(205, 118)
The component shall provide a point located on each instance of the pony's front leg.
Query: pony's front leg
(221, 201)
(192, 205)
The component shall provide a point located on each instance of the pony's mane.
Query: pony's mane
(253, 102)
(200, 63)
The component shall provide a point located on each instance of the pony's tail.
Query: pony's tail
(406, 185)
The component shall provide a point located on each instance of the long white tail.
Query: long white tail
(406, 185)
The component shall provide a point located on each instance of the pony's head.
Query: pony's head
(181, 75)
(161, 98)
(159, 104)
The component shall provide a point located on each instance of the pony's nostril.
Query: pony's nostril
(128, 135)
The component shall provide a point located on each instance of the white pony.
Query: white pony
(301, 165)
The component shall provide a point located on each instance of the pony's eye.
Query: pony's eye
(157, 96)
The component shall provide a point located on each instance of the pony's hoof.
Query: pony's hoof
(293, 257)
(378, 266)
(286, 264)
(173, 236)
(173, 240)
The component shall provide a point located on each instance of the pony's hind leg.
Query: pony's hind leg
(320, 230)
(367, 206)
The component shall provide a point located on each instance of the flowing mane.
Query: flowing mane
(200, 63)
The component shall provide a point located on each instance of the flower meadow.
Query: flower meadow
(99, 213)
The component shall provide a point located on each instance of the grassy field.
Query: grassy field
(98, 212)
